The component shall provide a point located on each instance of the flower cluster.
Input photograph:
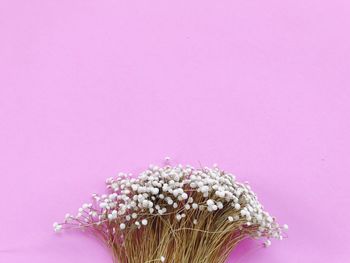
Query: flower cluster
(179, 198)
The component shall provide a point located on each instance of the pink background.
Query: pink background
(91, 88)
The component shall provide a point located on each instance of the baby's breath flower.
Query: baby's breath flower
(267, 243)
(57, 227)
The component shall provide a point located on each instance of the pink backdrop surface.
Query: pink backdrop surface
(92, 88)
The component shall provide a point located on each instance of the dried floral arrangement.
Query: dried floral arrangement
(175, 214)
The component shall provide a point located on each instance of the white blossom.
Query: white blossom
(267, 243)
(57, 227)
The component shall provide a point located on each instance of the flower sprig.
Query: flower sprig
(175, 214)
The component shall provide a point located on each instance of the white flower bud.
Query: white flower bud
(267, 243)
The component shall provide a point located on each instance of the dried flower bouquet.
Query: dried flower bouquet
(175, 214)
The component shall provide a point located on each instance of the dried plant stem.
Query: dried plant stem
(210, 241)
